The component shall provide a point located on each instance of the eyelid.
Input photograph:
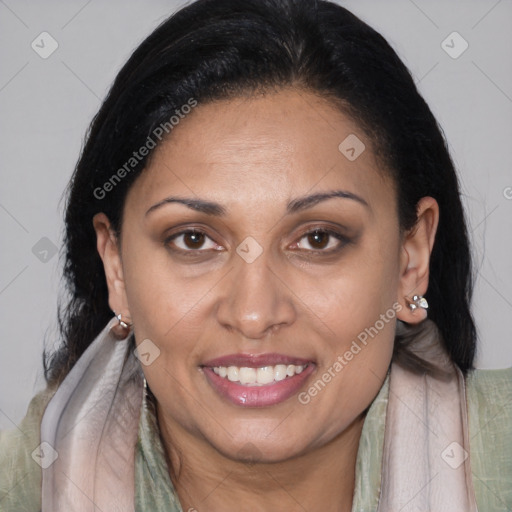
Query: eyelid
(186, 231)
(343, 239)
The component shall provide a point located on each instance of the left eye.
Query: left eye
(323, 240)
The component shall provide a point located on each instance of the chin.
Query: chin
(265, 450)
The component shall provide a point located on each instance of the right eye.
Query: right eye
(190, 241)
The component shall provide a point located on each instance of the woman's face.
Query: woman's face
(262, 338)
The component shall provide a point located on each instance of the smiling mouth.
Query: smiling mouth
(257, 380)
(262, 376)
(258, 386)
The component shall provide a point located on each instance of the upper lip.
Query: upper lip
(255, 361)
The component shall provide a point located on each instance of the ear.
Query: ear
(109, 251)
(415, 254)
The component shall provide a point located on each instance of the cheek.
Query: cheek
(165, 309)
(159, 297)
(353, 295)
(351, 376)
(358, 307)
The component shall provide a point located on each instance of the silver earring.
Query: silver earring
(122, 323)
(417, 301)
(147, 391)
(122, 329)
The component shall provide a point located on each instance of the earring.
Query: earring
(147, 392)
(417, 301)
(121, 322)
(122, 329)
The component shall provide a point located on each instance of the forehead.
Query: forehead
(267, 147)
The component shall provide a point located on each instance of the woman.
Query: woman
(270, 282)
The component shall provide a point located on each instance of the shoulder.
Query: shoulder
(489, 400)
(485, 381)
(489, 397)
(20, 474)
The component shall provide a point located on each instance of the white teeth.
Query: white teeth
(280, 372)
(258, 376)
(233, 373)
(247, 375)
(265, 375)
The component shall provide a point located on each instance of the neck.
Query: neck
(322, 479)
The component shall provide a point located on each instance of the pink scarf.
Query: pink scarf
(92, 422)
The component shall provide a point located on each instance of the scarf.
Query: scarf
(92, 423)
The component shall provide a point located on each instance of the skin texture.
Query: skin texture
(253, 155)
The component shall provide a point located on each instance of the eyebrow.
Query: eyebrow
(294, 206)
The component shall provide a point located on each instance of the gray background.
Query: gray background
(47, 104)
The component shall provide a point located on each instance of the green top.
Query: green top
(489, 396)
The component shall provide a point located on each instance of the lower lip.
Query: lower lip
(258, 396)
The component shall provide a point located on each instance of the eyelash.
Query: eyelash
(194, 252)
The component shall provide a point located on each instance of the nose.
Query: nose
(255, 300)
